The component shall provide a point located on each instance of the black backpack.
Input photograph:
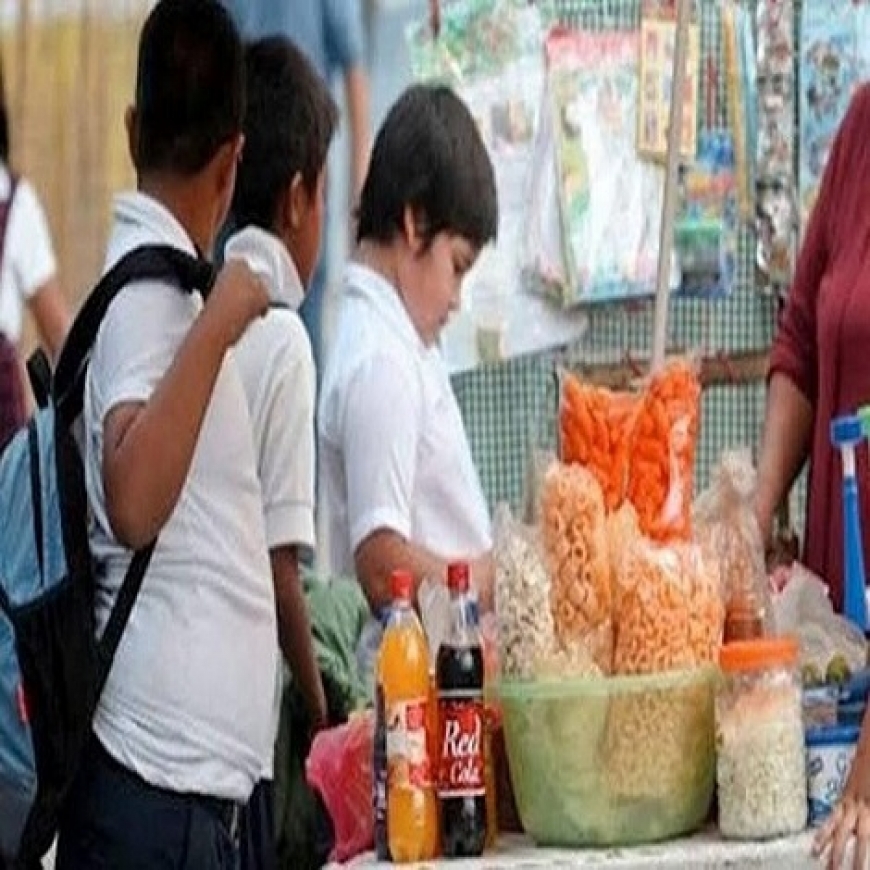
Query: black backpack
(52, 668)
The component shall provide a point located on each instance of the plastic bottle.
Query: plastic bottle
(462, 769)
(403, 683)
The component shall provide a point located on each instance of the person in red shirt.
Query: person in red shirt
(818, 370)
(818, 361)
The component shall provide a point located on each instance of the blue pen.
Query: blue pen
(846, 433)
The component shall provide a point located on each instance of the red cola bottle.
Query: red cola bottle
(461, 780)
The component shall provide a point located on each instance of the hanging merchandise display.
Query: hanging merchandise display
(706, 231)
(610, 200)
(490, 53)
(738, 41)
(829, 74)
(657, 38)
(776, 207)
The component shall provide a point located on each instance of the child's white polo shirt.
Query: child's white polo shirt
(28, 256)
(188, 704)
(393, 449)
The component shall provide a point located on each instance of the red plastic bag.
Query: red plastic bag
(339, 766)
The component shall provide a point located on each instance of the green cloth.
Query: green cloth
(338, 611)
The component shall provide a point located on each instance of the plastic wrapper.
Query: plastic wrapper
(595, 431)
(705, 234)
(803, 608)
(574, 533)
(725, 525)
(526, 631)
(610, 199)
(339, 767)
(668, 609)
(777, 232)
(775, 25)
(661, 470)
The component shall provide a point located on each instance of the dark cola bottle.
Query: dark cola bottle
(461, 780)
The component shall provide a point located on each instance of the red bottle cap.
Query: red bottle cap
(458, 577)
(401, 585)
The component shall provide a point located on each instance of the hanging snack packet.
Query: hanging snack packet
(725, 525)
(595, 427)
(575, 541)
(661, 470)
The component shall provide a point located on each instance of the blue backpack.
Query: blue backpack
(52, 667)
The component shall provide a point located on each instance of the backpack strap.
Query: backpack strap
(146, 263)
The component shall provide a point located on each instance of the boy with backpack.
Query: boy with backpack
(184, 720)
(278, 212)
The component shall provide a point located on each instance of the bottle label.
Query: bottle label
(461, 771)
(379, 778)
(407, 750)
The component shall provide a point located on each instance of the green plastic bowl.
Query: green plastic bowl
(611, 762)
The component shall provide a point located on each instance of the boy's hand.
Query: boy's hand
(850, 819)
(238, 297)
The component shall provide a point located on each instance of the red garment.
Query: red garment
(823, 342)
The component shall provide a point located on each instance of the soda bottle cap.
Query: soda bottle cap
(401, 585)
(458, 577)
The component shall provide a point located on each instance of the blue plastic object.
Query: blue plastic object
(846, 433)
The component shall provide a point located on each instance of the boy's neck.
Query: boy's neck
(186, 200)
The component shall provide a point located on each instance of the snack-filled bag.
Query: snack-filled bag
(339, 767)
(623, 530)
(668, 609)
(525, 629)
(574, 531)
(595, 431)
(661, 471)
(726, 526)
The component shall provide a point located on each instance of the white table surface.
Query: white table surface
(705, 851)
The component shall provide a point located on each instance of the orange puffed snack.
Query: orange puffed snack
(661, 469)
(595, 427)
(576, 546)
(670, 611)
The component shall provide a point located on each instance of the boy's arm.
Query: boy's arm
(294, 633)
(148, 446)
(384, 551)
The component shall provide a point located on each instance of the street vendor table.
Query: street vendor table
(705, 851)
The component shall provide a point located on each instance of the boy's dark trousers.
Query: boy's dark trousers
(116, 821)
(257, 845)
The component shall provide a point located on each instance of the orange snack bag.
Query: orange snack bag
(576, 546)
(661, 470)
(669, 609)
(595, 427)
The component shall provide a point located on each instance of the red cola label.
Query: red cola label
(461, 768)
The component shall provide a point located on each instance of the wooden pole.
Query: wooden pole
(669, 206)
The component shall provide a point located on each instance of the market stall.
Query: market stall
(650, 680)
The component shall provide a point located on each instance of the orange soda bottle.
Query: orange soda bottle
(403, 677)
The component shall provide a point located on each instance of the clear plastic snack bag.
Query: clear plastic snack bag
(725, 524)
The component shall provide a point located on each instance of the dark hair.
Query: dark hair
(289, 124)
(190, 86)
(428, 155)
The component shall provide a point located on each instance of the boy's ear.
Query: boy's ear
(412, 227)
(226, 160)
(131, 124)
(295, 203)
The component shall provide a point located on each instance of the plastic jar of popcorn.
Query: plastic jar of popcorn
(761, 762)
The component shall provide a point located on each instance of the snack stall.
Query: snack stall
(660, 701)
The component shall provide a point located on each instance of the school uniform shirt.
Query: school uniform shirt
(28, 255)
(188, 704)
(277, 370)
(392, 444)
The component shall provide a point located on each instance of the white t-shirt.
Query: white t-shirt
(393, 449)
(277, 368)
(28, 256)
(188, 704)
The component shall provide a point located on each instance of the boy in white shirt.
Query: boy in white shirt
(184, 721)
(278, 210)
(399, 486)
